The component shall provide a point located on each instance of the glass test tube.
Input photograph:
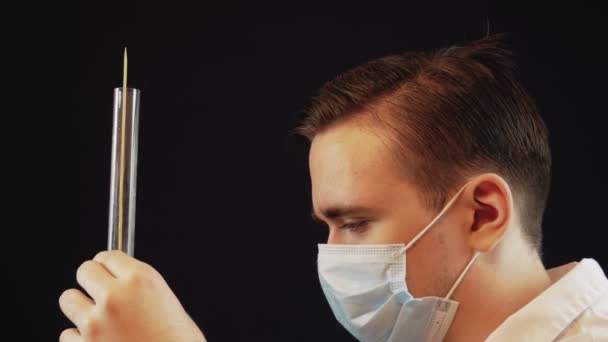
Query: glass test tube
(123, 179)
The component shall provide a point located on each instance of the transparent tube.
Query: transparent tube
(123, 179)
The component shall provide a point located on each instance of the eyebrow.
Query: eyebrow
(338, 211)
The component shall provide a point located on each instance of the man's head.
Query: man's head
(395, 138)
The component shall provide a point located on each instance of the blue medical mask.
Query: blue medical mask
(367, 292)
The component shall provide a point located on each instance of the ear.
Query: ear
(491, 201)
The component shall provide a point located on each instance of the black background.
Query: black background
(223, 193)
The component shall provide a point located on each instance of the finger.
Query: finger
(117, 262)
(75, 305)
(94, 278)
(70, 335)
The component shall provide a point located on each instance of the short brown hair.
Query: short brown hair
(458, 111)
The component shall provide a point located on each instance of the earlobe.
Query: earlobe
(491, 202)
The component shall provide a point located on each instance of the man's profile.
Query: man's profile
(431, 171)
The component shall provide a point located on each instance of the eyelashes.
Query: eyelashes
(355, 226)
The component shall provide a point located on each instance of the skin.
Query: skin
(127, 301)
(361, 193)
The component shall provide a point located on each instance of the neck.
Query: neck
(497, 286)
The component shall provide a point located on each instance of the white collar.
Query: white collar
(576, 286)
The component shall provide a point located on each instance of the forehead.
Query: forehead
(351, 163)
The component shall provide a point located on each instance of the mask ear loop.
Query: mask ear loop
(464, 272)
(430, 225)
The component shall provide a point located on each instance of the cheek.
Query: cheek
(381, 233)
(428, 270)
(394, 229)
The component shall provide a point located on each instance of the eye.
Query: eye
(355, 226)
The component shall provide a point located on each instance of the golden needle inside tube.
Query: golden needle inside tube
(121, 168)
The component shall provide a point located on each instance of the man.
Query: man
(431, 171)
